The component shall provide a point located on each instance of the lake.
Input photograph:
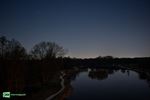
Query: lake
(108, 84)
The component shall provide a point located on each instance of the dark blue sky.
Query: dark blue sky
(87, 28)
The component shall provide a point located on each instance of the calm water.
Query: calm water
(104, 84)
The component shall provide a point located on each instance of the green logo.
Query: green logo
(6, 94)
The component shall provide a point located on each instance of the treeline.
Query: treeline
(13, 50)
(107, 61)
(47, 51)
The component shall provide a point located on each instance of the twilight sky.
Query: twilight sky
(87, 28)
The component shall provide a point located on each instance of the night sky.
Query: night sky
(87, 28)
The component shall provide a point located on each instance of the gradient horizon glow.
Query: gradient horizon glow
(87, 28)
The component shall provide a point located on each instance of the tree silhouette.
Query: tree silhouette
(11, 49)
(47, 50)
(3, 43)
(99, 74)
(16, 50)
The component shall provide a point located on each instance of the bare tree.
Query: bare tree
(16, 50)
(3, 43)
(46, 50)
(11, 49)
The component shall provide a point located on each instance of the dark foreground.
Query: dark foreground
(123, 79)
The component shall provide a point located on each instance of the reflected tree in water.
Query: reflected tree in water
(145, 76)
(99, 74)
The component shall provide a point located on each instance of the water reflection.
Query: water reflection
(117, 84)
(99, 74)
(145, 76)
